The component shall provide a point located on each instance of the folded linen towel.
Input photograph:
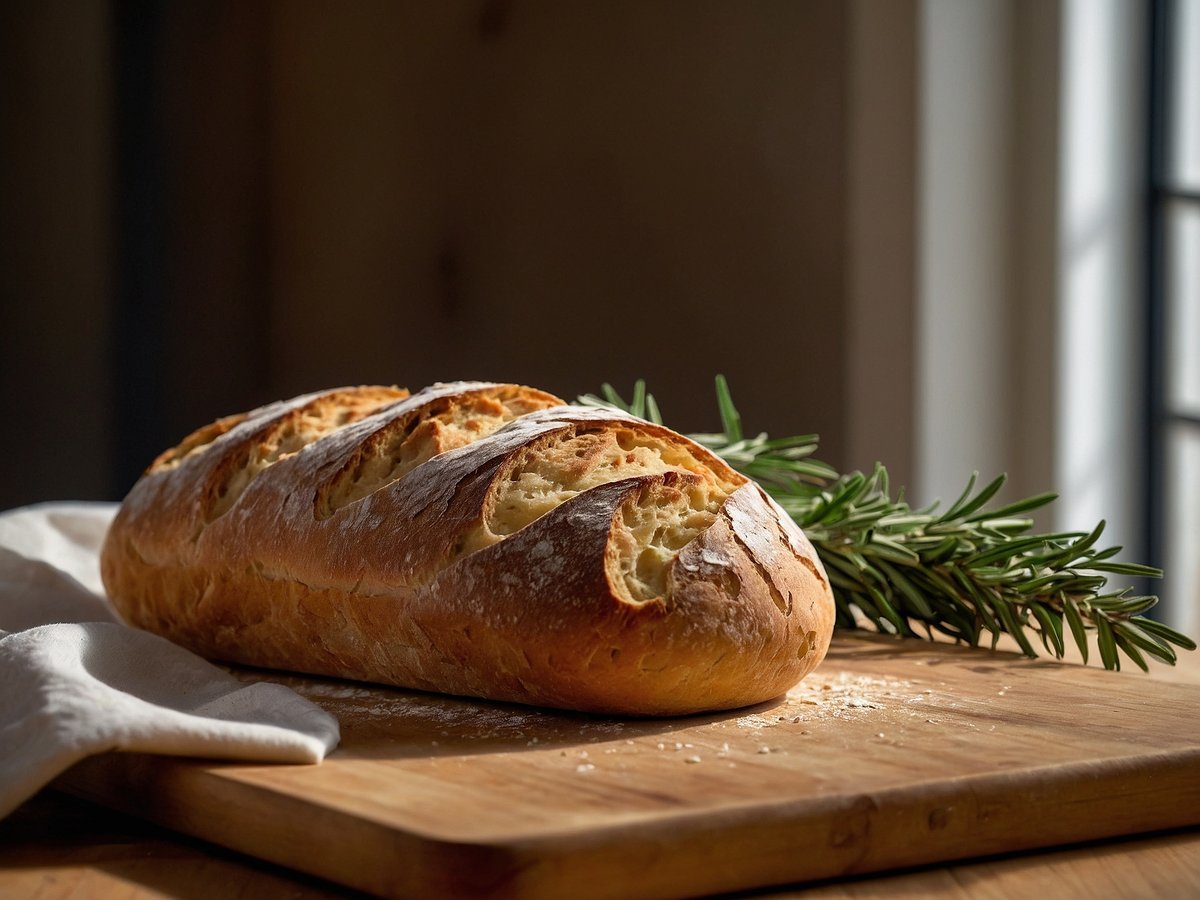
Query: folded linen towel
(75, 682)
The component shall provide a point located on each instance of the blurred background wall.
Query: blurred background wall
(286, 196)
(862, 212)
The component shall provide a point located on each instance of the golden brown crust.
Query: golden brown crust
(473, 539)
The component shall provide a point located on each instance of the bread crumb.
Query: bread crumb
(693, 759)
(584, 767)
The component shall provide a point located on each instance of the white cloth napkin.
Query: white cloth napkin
(74, 681)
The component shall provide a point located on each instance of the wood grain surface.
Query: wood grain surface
(60, 848)
(893, 754)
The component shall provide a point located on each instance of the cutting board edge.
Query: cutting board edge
(853, 819)
(843, 826)
(189, 796)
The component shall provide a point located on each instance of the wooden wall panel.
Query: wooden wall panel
(213, 204)
(55, 273)
(214, 122)
(561, 194)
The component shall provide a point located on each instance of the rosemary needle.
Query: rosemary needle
(963, 572)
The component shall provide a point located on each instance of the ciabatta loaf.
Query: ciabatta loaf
(478, 539)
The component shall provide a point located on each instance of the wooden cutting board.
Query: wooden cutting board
(893, 753)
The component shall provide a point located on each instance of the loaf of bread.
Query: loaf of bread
(475, 539)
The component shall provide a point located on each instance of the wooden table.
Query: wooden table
(58, 847)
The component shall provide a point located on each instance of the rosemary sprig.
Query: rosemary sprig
(963, 572)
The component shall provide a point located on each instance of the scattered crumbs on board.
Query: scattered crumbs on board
(837, 695)
(823, 696)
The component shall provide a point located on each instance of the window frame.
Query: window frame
(1162, 193)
